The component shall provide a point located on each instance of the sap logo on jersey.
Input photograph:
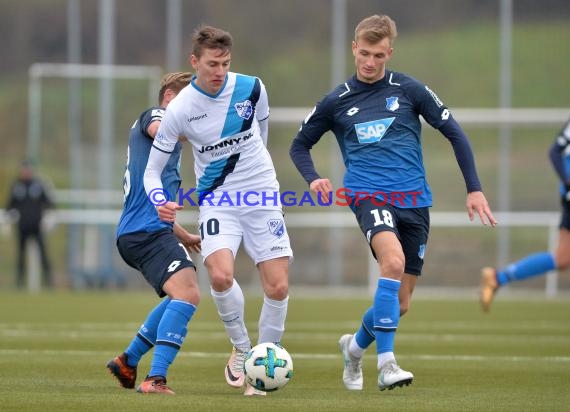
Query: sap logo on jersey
(374, 131)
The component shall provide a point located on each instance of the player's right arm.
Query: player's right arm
(317, 123)
(162, 147)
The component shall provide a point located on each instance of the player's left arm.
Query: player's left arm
(434, 111)
(149, 121)
(476, 201)
(262, 113)
(156, 118)
(191, 242)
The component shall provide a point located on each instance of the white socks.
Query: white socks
(230, 304)
(272, 319)
(354, 350)
(384, 358)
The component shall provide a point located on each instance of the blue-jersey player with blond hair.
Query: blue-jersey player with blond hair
(159, 250)
(375, 117)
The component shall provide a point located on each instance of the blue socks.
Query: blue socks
(386, 314)
(532, 265)
(146, 336)
(365, 335)
(170, 335)
(381, 320)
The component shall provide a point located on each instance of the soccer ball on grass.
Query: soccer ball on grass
(268, 367)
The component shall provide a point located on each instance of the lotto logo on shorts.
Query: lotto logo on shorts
(276, 227)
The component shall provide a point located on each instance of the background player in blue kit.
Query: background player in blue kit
(159, 250)
(539, 263)
(374, 116)
(224, 116)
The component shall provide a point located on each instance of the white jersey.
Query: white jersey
(228, 133)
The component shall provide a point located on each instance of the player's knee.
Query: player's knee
(221, 280)
(183, 286)
(277, 291)
(189, 295)
(393, 265)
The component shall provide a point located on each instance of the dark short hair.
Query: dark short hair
(208, 37)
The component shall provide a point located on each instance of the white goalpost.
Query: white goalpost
(86, 206)
(37, 72)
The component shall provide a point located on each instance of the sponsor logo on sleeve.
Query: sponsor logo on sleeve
(434, 97)
(157, 114)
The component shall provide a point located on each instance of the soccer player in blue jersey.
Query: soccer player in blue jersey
(159, 250)
(375, 117)
(224, 116)
(538, 264)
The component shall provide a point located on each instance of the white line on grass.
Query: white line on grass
(198, 335)
(467, 358)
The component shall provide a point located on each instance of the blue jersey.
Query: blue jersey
(139, 214)
(378, 129)
(560, 157)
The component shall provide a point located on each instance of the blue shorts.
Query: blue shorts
(157, 255)
(565, 219)
(411, 226)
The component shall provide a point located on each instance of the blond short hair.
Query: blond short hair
(173, 81)
(376, 28)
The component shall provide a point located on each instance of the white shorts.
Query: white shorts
(263, 232)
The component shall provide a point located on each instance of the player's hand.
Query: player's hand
(193, 243)
(322, 186)
(167, 211)
(477, 203)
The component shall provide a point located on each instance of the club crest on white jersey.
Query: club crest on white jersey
(244, 109)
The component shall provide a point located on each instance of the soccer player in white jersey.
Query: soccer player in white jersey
(224, 115)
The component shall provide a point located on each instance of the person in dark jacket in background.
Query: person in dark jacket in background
(28, 200)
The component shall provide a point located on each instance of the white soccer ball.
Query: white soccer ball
(268, 367)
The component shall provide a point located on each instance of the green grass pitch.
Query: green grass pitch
(54, 347)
